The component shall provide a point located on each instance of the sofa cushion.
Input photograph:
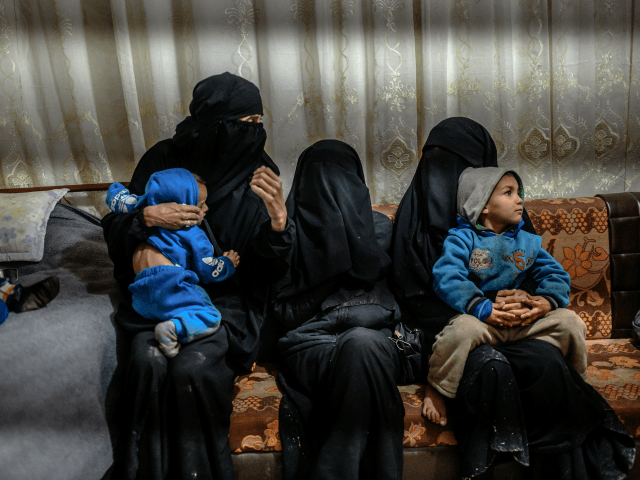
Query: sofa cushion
(614, 371)
(254, 421)
(575, 232)
(624, 227)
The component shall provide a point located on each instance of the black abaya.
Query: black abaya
(177, 417)
(520, 400)
(426, 213)
(524, 401)
(341, 415)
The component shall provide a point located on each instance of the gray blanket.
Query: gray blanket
(56, 363)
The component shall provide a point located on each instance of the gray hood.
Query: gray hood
(475, 187)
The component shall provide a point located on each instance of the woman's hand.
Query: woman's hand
(172, 216)
(268, 186)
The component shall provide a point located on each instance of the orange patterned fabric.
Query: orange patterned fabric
(419, 432)
(575, 232)
(254, 421)
(614, 371)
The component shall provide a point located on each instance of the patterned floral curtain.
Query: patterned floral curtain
(87, 86)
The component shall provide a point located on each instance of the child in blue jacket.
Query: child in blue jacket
(486, 253)
(171, 263)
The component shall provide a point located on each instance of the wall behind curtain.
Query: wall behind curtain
(86, 86)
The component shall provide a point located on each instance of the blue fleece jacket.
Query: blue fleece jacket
(475, 262)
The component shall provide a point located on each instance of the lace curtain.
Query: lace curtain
(88, 85)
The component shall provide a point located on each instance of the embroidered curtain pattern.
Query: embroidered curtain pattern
(87, 86)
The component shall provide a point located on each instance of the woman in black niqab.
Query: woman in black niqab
(224, 150)
(172, 419)
(341, 415)
(330, 204)
(427, 212)
(520, 401)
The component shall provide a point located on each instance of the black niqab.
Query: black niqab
(330, 205)
(427, 212)
(219, 97)
(224, 151)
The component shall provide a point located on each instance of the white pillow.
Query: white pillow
(23, 223)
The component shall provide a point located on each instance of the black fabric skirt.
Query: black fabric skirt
(524, 402)
(173, 415)
(341, 415)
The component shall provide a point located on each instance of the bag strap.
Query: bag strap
(217, 251)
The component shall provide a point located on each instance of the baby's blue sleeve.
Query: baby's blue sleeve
(208, 268)
(119, 199)
(219, 268)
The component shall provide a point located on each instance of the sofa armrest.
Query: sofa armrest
(624, 240)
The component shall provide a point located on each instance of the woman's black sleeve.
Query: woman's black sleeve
(271, 251)
(123, 232)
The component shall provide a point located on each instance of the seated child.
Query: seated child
(486, 253)
(170, 264)
(17, 298)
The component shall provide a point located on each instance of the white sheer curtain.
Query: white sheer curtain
(88, 85)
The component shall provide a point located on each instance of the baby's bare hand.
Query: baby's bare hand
(233, 256)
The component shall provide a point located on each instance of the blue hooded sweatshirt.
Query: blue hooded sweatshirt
(188, 247)
(476, 262)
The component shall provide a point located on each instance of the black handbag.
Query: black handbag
(409, 343)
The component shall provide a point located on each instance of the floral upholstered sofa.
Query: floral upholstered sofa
(597, 241)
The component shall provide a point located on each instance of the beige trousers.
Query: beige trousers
(561, 328)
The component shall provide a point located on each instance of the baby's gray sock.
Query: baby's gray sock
(167, 338)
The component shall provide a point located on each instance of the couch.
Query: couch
(62, 366)
(597, 240)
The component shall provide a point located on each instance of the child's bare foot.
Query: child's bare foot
(433, 407)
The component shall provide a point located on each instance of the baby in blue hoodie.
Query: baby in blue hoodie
(171, 263)
(486, 253)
